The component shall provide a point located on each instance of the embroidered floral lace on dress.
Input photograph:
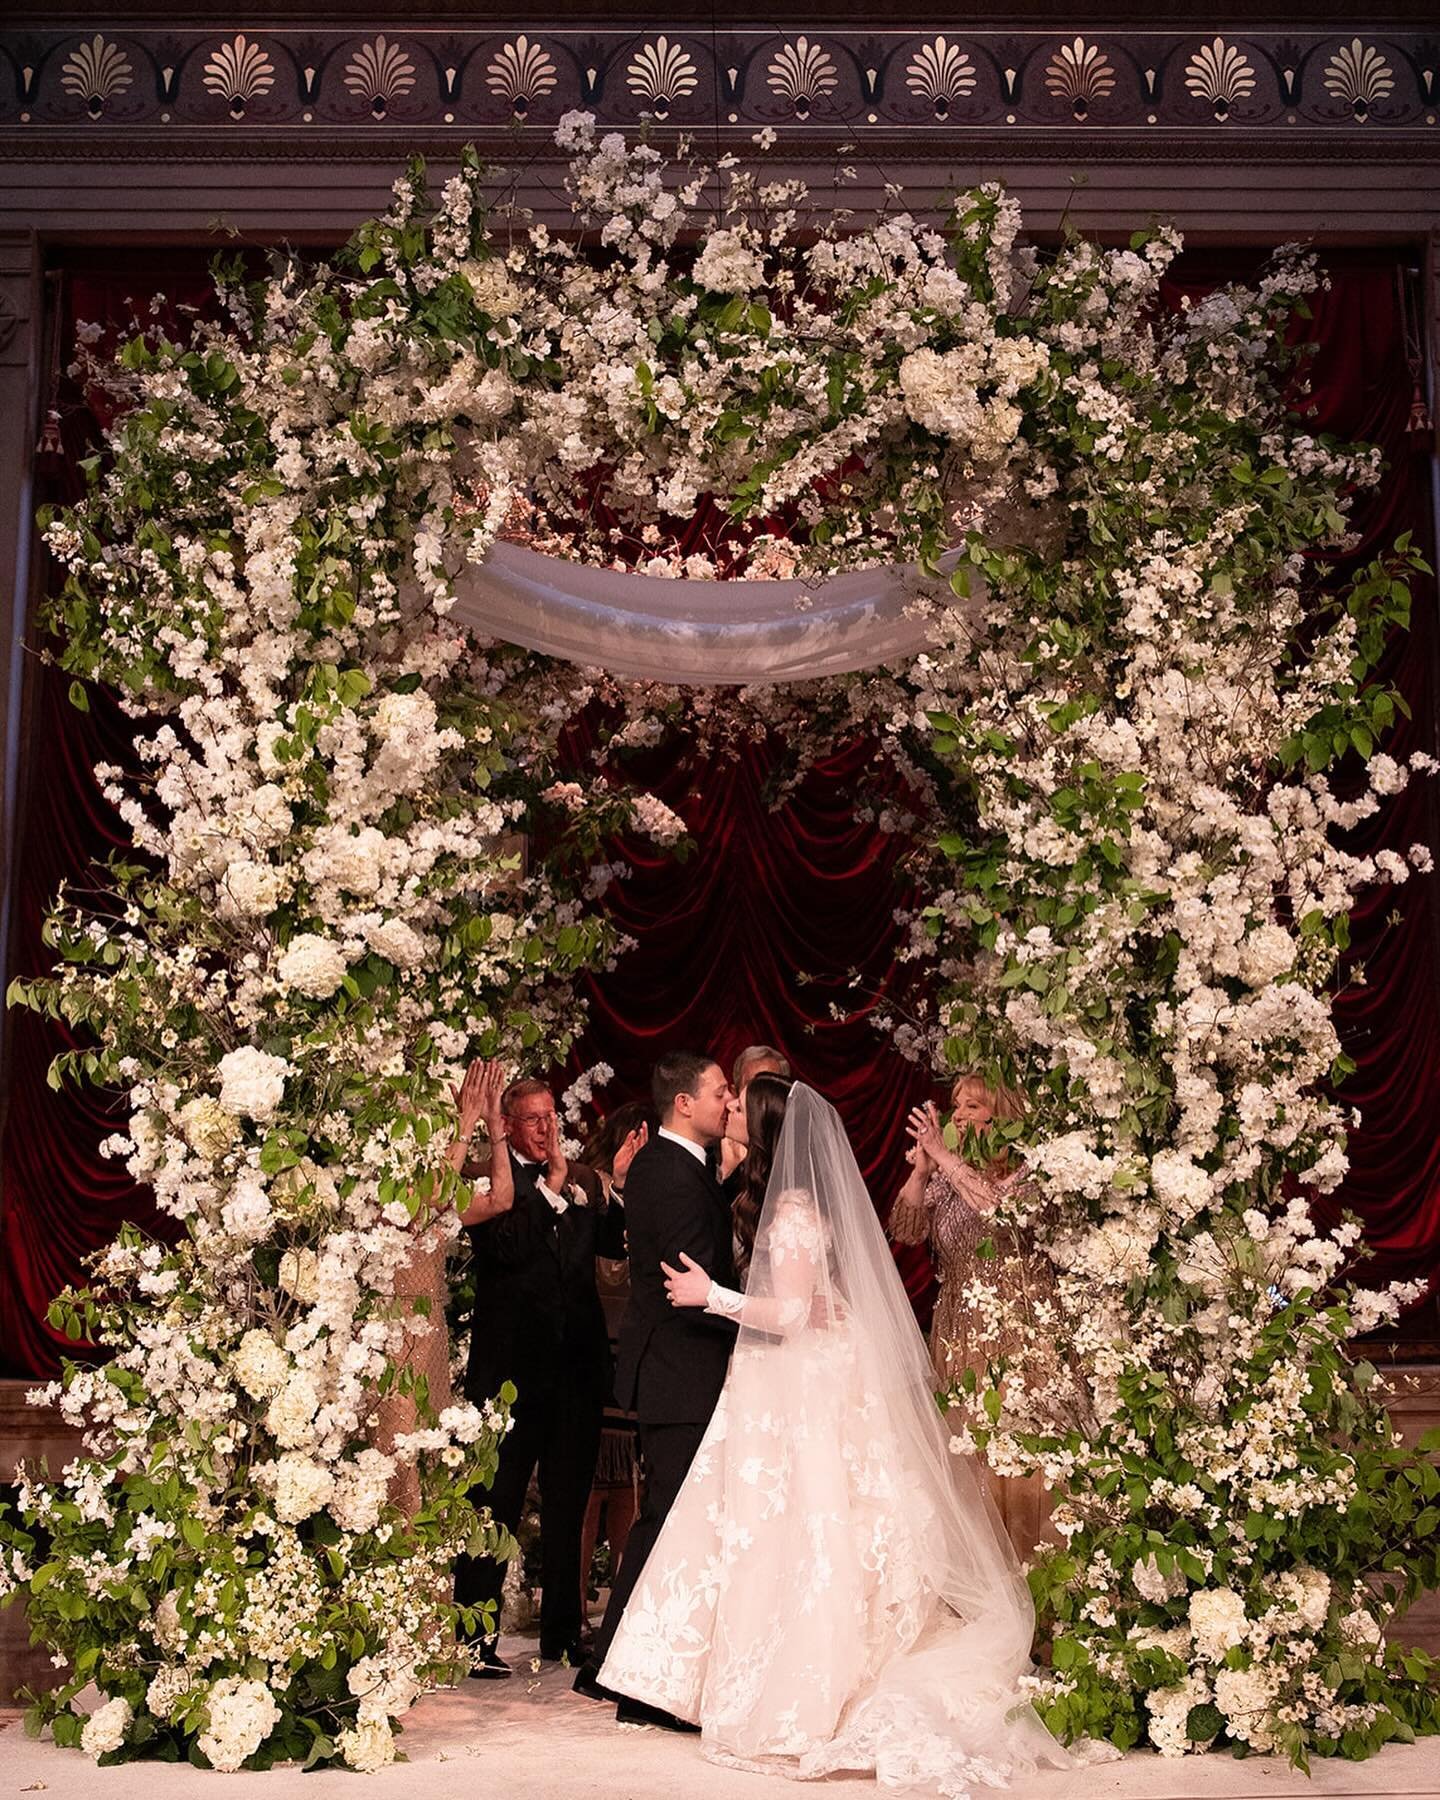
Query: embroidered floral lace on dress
(831, 1590)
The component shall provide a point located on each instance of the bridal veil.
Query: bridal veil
(822, 1265)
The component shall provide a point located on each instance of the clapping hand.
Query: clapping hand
(929, 1143)
(478, 1097)
(557, 1168)
(689, 1286)
(635, 1141)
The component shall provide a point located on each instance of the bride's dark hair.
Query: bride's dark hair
(765, 1102)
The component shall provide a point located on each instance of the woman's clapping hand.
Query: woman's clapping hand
(478, 1098)
(927, 1149)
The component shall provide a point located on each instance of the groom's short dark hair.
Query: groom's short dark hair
(677, 1073)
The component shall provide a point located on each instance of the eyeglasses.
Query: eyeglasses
(534, 1118)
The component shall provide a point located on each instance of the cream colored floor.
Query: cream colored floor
(531, 1738)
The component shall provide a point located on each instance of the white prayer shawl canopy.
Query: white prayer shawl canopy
(700, 633)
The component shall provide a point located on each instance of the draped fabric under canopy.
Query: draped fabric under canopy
(699, 633)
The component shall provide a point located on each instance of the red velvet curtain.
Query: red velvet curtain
(59, 1199)
(1363, 389)
(1387, 1011)
(756, 935)
(778, 921)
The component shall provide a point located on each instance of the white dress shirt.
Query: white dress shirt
(557, 1202)
(696, 1150)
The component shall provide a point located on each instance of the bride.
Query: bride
(832, 1590)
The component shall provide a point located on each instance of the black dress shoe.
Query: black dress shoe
(636, 1712)
(576, 1652)
(587, 1682)
(491, 1666)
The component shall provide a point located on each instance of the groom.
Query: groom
(671, 1362)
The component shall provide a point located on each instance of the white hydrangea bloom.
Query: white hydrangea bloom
(1217, 1622)
(312, 964)
(259, 1364)
(729, 264)
(105, 1729)
(301, 1486)
(252, 1082)
(241, 1715)
(368, 1745)
(209, 1129)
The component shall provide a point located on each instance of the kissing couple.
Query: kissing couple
(815, 1582)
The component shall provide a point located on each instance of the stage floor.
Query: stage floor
(531, 1738)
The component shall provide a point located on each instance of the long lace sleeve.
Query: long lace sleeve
(788, 1267)
(769, 1313)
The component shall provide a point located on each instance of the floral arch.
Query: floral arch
(1125, 697)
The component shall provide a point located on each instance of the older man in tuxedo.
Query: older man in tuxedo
(538, 1322)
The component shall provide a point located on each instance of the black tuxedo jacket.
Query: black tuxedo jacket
(672, 1359)
(538, 1320)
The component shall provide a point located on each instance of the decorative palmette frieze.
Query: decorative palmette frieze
(1221, 76)
(96, 72)
(382, 72)
(1080, 73)
(239, 72)
(253, 78)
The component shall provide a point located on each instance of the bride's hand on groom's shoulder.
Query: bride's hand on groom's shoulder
(689, 1286)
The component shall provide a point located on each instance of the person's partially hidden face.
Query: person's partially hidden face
(708, 1108)
(765, 1065)
(736, 1130)
(970, 1105)
(529, 1125)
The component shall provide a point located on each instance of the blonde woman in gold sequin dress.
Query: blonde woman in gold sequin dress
(948, 1203)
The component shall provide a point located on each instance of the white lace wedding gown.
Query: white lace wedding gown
(831, 1591)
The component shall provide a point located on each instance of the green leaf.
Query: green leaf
(1203, 1723)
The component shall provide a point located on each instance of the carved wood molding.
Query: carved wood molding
(896, 150)
(1196, 86)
